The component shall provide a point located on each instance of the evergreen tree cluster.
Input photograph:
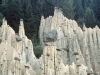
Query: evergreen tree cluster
(83, 11)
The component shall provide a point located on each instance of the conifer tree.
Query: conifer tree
(68, 8)
(96, 8)
(13, 13)
(90, 19)
(78, 9)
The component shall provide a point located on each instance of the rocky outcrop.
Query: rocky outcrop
(16, 51)
(74, 52)
(68, 49)
(50, 36)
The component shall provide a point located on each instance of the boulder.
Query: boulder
(18, 38)
(50, 36)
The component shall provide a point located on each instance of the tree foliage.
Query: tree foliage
(1, 17)
(83, 11)
(90, 19)
(31, 11)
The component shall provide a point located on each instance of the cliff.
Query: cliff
(16, 51)
(74, 51)
(68, 49)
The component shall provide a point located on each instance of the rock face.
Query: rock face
(50, 36)
(76, 51)
(16, 51)
(68, 49)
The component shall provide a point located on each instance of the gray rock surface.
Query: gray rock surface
(50, 36)
(75, 51)
(18, 38)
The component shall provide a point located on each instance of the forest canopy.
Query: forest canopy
(83, 11)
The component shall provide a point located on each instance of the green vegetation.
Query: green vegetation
(38, 50)
(1, 18)
(83, 11)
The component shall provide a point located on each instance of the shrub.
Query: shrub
(38, 50)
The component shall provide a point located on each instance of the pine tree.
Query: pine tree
(48, 6)
(90, 19)
(28, 17)
(79, 9)
(1, 18)
(96, 8)
(13, 13)
(68, 8)
(3, 6)
(87, 3)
